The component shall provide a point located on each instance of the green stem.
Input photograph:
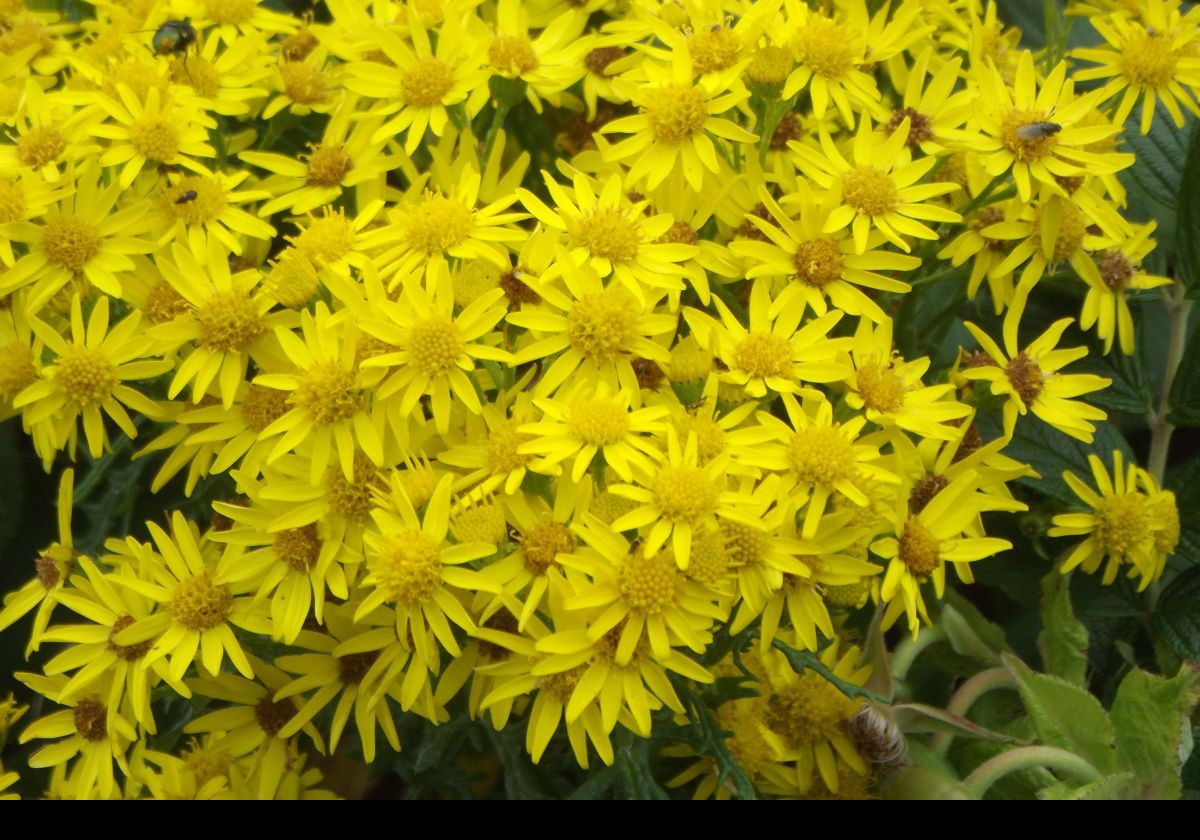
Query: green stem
(1161, 429)
(908, 650)
(502, 109)
(965, 698)
(1027, 758)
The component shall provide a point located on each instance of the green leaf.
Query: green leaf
(1185, 387)
(1050, 452)
(1029, 17)
(802, 660)
(968, 631)
(1150, 714)
(1184, 481)
(1116, 786)
(708, 738)
(1066, 716)
(920, 718)
(1063, 641)
(1177, 617)
(1187, 232)
(1161, 157)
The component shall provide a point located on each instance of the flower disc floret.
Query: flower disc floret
(920, 550)
(599, 421)
(808, 712)
(409, 571)
(199, 603)
(762, 354)
(70, 242)
(85, 375)
(328, 392)
(610, 235)
(426, 83)
(684, 493)
(229, 322)
(649, 585)
(676, 112)
(870, 190)
(818, 262)
(542, 543)
(435, 346)
(601, 326)
(821, 455)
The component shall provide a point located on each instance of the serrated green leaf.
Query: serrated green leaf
(1187, 231)
(1063, 641)
(1050, 452)
(1066, 716)
(1177, 617)
(1184, 481)
(1160, 156)
(1150, 714)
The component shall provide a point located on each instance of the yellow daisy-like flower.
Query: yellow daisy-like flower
(772, 353)
(156, 132)
(1039, 132)
(331, 403)
(806, 716)
(346, 664)
(344, 158)
(829, 59)
(414, 570)
(671, 134)
(421, 82)
(83, 237)
(93, 654)
(1106, 306)
(890, 390)
(1125, 526)
(53, 568)
(925, 542)
(435, 227)
(205, 205)
(1151, 57)
(547, 64)
(824, 268)
(437, 350)
(52, 134)
(820, 457)
(612, 233)
(197, 599)
(91, 728)
(646, 597)
(682, 500)
(88, 374)
(935, 112)
(228, 319)
(600, 332)
(1032, 381)
(253, 723)
(880, 189)
(591, 419)
(295, 567)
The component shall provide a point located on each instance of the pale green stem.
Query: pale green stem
(965, 698)
(1027, 758)
(1161, 429)
(909, 649)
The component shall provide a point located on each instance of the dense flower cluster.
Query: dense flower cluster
(537, 344)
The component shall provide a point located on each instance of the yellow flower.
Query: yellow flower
(612, 234)
(435, 349)
(1038, 131)
(591, 419)
(82, 238)
(1150, 58)
(198, 602)
(89, 374)
(879, 190)
(671, 134)
(228, 320)
(600, 332)
(1032, 381)
(1106, 306)
(1131, 522)
(823, 268)
(420, 82)
(772, 353)
(155, 132)
(547, 64)
(925, 541)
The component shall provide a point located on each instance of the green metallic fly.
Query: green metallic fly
(174, 36)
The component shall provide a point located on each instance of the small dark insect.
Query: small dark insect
(636, 543)
(1038, 130)
(187, 197)
(693, 407)
(174, 36)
